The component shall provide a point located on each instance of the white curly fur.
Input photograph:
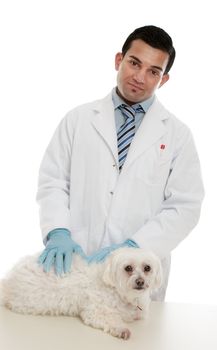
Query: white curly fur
(104, 295)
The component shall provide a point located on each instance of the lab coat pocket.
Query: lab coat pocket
(153, 167)
(154, 171)
(161, 171)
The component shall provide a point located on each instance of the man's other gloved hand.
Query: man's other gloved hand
(101, 254)
(59, 250)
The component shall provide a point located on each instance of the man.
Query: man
(121, 171)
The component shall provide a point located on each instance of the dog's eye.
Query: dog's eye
(147, 268)
(128, 268)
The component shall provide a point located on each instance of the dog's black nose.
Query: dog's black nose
(139, 282)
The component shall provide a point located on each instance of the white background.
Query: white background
(55, 55)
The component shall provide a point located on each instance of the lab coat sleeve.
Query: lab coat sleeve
(54, 180)
(181, 205)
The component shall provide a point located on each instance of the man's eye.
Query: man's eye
(128, 268)
(134, 63)
(154, 72)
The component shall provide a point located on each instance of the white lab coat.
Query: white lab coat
(156, 198)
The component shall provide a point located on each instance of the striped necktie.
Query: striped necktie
(126, 131)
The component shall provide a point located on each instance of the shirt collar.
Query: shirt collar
(117, 100)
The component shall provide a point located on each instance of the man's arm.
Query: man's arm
(53, 197)
(54, 181)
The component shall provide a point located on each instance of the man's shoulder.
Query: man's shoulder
(81, 114)
(91, 106)
(169, 118)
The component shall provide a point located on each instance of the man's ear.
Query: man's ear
(164, 79)
(118, 60)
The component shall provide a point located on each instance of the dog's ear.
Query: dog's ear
(110, 270)
(158, 274)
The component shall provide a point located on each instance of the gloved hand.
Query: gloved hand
(101, 255)
(59, 250)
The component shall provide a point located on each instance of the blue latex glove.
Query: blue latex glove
(59, 250)
(101, 255)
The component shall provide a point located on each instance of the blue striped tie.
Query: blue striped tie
(126, 131)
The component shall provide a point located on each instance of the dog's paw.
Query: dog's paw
(120, 332)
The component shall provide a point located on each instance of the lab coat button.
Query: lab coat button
(114, 165)
(111, 192)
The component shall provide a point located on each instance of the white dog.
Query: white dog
(104, 295)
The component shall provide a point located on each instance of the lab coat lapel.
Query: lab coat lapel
(104, 122)
(150, 130)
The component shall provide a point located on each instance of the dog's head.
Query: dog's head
(133, 271)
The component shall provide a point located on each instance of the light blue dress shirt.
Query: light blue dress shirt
(120, 118)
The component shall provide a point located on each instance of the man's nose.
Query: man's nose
(139, 77)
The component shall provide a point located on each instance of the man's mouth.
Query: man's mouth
(135, 87)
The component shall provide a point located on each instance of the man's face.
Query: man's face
(140, 71)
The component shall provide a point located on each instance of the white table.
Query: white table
(171, 327)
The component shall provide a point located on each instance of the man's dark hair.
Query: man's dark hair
(155, 37)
